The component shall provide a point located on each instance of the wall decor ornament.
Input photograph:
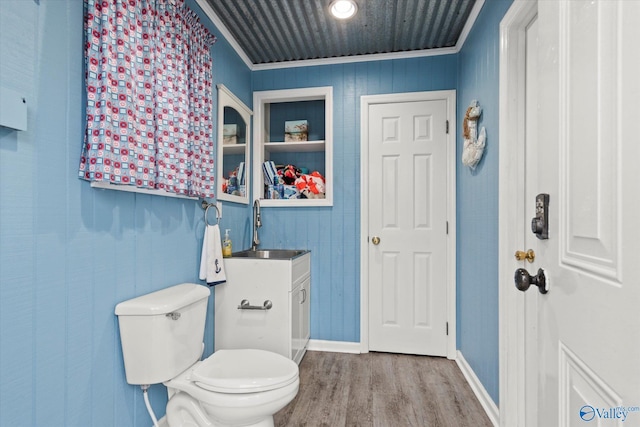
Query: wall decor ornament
(473, 144)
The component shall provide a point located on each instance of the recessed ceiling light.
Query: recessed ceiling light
(343, 9)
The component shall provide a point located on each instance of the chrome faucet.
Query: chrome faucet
(257, 223)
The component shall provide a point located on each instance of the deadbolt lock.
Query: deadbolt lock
(529, 255)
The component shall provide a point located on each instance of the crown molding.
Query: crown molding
(224, 31)
(355, 58)
(477, 7)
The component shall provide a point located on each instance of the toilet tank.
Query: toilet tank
(162, 332)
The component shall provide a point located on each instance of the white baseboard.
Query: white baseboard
(478, 389)
(334, 346)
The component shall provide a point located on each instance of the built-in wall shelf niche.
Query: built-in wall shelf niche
(234, 128)
(310, 152)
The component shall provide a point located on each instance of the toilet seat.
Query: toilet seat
(244, 371)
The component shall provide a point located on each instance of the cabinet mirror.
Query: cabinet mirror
(234, 121)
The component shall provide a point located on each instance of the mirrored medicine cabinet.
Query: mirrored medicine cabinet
(234, 130)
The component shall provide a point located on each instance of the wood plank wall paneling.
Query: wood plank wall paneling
(231, 71)
(70, 253)
(333, 234)
(335, 263)
(477, 201)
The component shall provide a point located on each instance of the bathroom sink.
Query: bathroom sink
(270, 253)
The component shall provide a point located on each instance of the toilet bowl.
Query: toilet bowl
(161, 335)
(231, 388)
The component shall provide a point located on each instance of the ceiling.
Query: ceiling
(281, 31)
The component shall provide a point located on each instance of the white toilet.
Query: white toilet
(161, 336)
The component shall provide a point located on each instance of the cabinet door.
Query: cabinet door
(296, 320)
(305, 315)
(255, 281)
(300, 320)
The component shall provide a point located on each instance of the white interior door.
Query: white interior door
(407, 214)
(586, 339)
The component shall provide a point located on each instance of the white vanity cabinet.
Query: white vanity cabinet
(284, 327)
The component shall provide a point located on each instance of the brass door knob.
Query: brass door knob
(375, 240)
(529, 255)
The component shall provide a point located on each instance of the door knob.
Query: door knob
(529, 255)
(523, 280)
(375, 240)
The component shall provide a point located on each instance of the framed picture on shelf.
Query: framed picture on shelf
(296, 130)
(230, 134)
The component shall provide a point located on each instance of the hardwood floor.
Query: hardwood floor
(381, 389)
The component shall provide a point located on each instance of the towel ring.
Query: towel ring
(206, 211)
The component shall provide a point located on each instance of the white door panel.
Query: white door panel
(407, 212)
(587, 336)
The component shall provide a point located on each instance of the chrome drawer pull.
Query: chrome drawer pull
(246, 305)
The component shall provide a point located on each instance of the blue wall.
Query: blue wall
(333, 234)
(335, 309)
(477, 201)
(231, 71)
(70, 253)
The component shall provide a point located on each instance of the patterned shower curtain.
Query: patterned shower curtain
(149, 97)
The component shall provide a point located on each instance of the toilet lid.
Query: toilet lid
(244, 371)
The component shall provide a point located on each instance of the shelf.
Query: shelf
(272, 110)
(294, 147)
(283, 203)
(234, 148)
(232, 111)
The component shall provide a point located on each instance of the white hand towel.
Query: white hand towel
(211, 264)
